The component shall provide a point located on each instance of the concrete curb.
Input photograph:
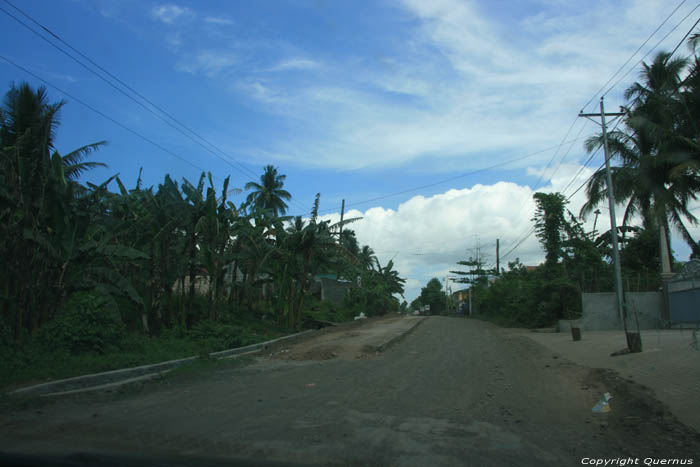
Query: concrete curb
(109, 379)
(395, 340)
(102, 387)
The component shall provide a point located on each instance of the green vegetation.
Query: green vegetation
(656, 162)
(95, 279)
(432, 295)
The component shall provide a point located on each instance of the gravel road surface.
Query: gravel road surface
(451, 392)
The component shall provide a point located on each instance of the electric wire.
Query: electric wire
(641, 60)
(121, 91)
(107, 117)
(539, 180)
(532, 229)
(457, 177)
(177, 125)
(521, 239)
(685, 37)
(633, 54)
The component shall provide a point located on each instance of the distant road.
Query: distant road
(452, 392)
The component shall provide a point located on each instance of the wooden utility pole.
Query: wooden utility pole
(447, 300)
(342, 213)
(619, 291)
(498, 257)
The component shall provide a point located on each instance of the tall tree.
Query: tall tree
(51, 237)
(433, 296)
(549, 224)
(653, 177)
(367, 257)
(269, 195)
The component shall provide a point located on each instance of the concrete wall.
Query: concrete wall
(680, 285)
(600, 311)
(333, 290)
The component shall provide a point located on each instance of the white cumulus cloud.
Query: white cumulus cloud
(426, 236)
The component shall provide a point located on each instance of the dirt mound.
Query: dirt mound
(357, 340)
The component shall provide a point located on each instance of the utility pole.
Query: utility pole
(595, 220)
(619, 292)
(498, 257)
(446, 299)
(342, 213)
(470, 300)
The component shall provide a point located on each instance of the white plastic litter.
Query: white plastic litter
(360, 316)
(603, 405)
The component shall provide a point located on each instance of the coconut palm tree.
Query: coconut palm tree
(38, 196)
(367, 258)
(650, 150)
(269, 195)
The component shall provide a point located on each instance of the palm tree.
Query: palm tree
(268, 195)
(38, 196)
(394, 283)
(367, 258)
(650, 152)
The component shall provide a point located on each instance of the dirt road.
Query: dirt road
(452, 392)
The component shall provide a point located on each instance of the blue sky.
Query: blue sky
(356, 101)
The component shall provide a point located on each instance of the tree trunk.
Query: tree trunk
(664, 249)
(183, 308)
(144, 321)
(234, 288)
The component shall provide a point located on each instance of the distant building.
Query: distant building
(326, 287)
(460, 295)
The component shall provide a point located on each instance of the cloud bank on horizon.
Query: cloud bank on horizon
(426, 236)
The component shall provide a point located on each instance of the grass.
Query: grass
(35, 362)
(55, 355)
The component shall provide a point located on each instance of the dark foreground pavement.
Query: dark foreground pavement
(453, 392)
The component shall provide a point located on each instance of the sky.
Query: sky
(436, 121)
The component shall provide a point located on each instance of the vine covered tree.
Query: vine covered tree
(549, 225)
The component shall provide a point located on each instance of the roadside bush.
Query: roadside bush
(216, 336)
(87, 324)
(327, 311)
(527, 298)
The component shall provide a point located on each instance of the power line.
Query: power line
(177, 126)
(239, 167)
(466, 174)
(529, 233)
(635, 53)
(518, 243)
(650, 50)
(532, 229)
(102, 114)
(536, 186)
(581, 169)
(685, 37)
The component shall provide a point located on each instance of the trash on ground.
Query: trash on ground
(311, 385)
(603, 405)
(360, 316)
